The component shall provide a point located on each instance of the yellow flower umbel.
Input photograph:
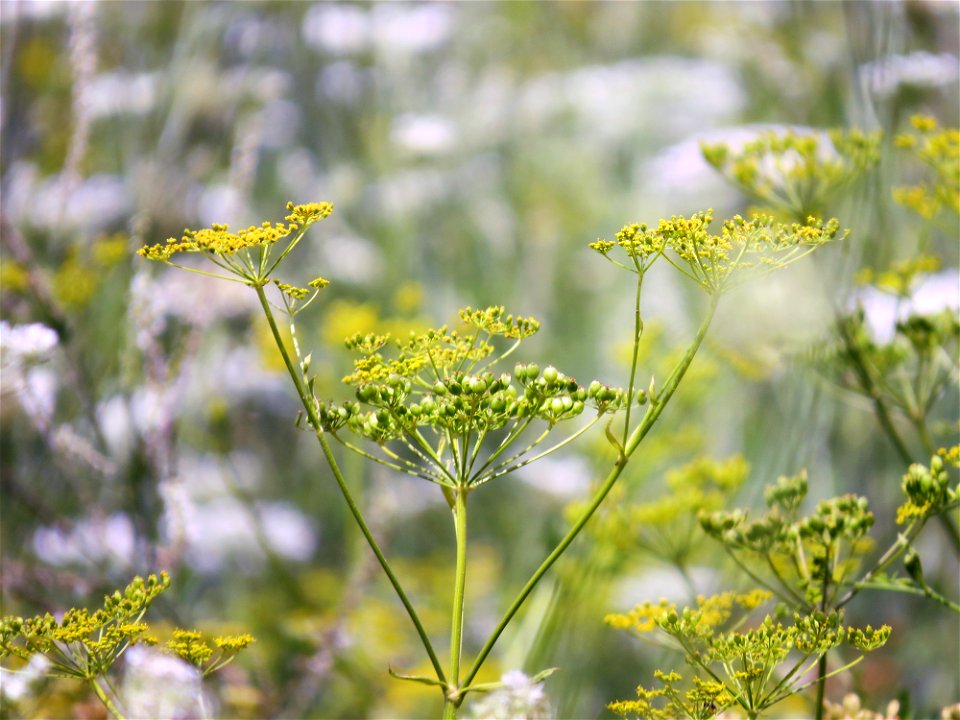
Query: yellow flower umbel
(84, 645)
(796, 173)
(939, 150)
(754, 668)
(742, 249)
(245, 254)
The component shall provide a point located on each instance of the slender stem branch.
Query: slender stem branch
(637, 330)
(870, 389)
(310, 407)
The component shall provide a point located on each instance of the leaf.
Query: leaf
(422, 679)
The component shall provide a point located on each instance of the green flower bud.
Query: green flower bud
(911, 561)
(550, 374)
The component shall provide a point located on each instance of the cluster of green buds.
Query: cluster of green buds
(754, 668)
(794, 172)
(928, 490)
(939, 150)
(909, 372)
(84, 644)
(442, 420)
(744, 248)
(810, 558)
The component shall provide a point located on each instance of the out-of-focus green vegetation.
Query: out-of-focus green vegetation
(472, 151)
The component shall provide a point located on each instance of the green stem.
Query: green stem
(870, 389)
(637, 330)
(105, 699)
(821, 684)
(822, 663)
(310, 407)
(642, 429)
(451, 704)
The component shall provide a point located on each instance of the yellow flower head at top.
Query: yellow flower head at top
(245, 253)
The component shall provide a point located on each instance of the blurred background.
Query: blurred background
(471, 150)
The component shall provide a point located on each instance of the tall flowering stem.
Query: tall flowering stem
(309, 405)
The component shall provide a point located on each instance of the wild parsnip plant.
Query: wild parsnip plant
(753, 668)
(813, 565)
(815, 560)
(85, 646)
(797, 173)
(440, 405)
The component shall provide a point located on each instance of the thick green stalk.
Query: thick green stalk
(633, 441)
(105, 699)
(450, 705)
(310, 407)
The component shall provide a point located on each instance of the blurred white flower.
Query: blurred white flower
(288, 532)
(689, 94)
(17, 685)
(24, 344)
(216, 203)
(351, 259)
(226, 531)
(120, 92)
(32, 10)
(89, 541)
(882, 310)
(390, 28)
(22, 348)
(423, 134)
(159, 685)
(680, 175)
(667, 582)
(520, 698)
(203, 303)
(92, 204)
(410, 28)
(405, 193)
(123, 419)
(566, 478)
(337, 29)
(38, 395)
(918, 69)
